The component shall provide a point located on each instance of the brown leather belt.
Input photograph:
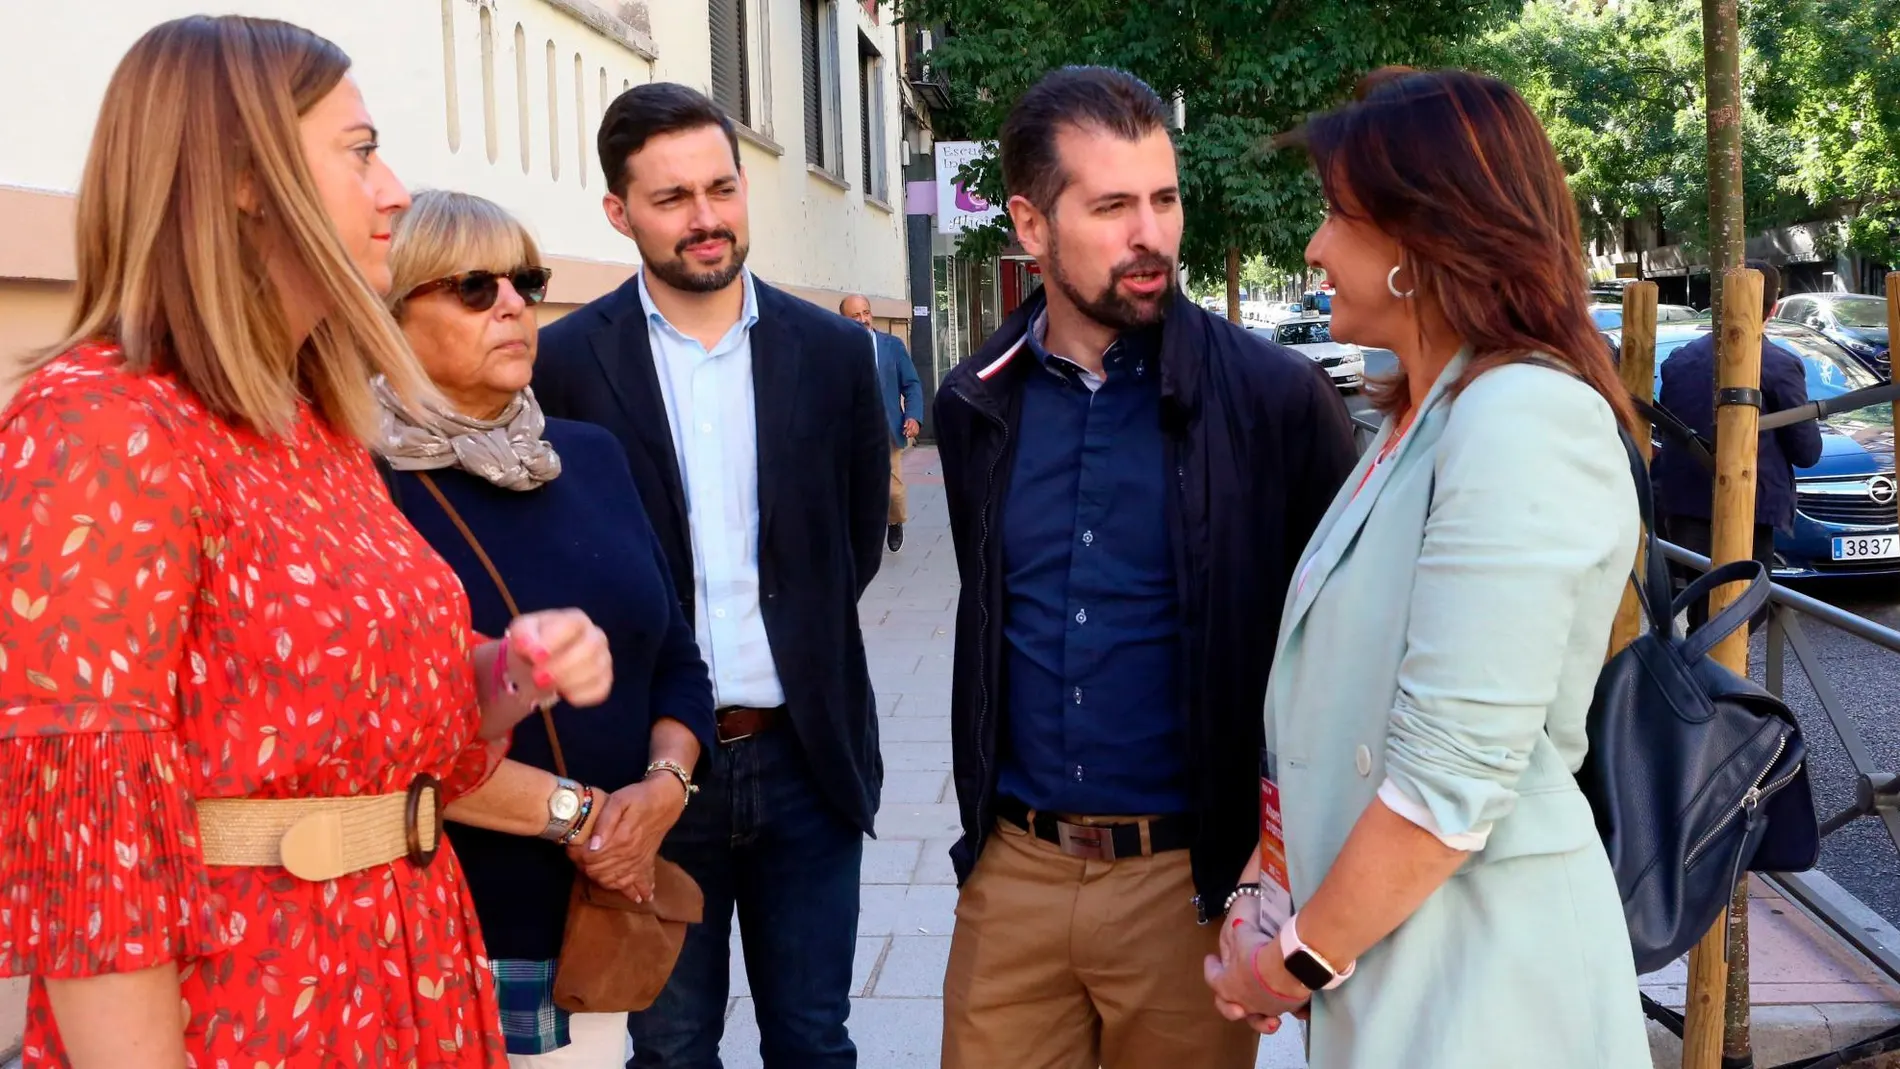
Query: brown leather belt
(736, 722)
(1098, 838)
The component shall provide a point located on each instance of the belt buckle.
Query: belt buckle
(1085, 841)
(724, 739)
(412, 819)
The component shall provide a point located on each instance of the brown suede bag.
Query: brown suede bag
(616, 954)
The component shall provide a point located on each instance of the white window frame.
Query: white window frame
(831, 111)
(877, 184)
(759, 57)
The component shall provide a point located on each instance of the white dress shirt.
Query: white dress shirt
(709, 403)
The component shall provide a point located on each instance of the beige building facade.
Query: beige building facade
(503, 98)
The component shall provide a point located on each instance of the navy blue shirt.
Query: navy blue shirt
(1092, 622)
(580, 541)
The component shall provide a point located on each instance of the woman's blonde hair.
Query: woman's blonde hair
(444, 233)
(170, 266)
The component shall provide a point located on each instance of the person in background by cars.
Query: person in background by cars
(1684, 487)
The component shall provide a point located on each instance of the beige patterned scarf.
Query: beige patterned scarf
(507, 450)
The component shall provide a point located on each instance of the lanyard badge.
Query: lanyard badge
(1276, 889)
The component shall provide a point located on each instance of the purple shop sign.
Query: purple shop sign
(958, 209)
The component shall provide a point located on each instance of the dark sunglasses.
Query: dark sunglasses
(478, 290)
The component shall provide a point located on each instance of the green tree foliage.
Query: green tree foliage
(1834, 88)
(1618, 84)
(1245, 70)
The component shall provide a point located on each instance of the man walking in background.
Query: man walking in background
(1685, 490)
(903, 404)
(1130, 483)
(752, 422)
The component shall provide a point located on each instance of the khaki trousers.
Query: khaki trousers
(900, 511)
(1062, 963)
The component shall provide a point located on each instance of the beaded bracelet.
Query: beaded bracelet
(580, 819)
(1243, 891)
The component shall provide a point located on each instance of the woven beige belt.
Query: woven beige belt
(320, 839)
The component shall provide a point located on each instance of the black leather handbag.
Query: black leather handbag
(1695, 773)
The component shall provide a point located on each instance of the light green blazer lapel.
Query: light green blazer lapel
(1340, 527)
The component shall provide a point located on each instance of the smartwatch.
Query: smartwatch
(1307, 965)
(564, 806)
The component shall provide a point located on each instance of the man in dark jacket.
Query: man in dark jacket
(1130, 482)
(753, 425)
(1684, 488)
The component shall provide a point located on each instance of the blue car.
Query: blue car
(1847, 520)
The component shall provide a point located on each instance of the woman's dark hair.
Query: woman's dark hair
(645, 112)
(1456, 168)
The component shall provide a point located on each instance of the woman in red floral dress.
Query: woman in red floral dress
(206, 594)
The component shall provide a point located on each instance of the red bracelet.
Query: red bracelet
(503, 683)
(1262, 980)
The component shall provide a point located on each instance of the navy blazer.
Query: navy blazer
(897, 378)
(824, 497)
(580, 541)
(1683, 486)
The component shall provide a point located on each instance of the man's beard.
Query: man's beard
(1110, 308)
(675, 272)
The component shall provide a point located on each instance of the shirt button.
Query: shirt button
(1362, 759)
(719, 613)
(1088, 538)
(1081, 616)
(705, 428)
(1078, 773)
(1078, 695)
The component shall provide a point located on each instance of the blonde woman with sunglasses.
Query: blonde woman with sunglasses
(555, 511)
(237, 689)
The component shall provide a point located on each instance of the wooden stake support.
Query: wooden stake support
(1637, 367)
(1737, 433)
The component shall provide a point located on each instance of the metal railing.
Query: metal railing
(1876, 790)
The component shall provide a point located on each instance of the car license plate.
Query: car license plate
(1867, 547)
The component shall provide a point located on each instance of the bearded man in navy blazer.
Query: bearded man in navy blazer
(755, 430)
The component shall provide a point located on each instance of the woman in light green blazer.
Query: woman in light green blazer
(1447, 622)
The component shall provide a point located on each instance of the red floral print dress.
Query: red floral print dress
(193, 610)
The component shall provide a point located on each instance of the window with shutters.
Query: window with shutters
(818, 54)
(731, 82)
(871, 120)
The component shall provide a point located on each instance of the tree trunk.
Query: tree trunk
(1233, 284)
(1728, 236)
(1717, 1026)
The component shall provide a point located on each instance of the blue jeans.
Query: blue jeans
(762, 837)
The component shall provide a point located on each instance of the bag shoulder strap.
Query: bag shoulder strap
(507, 599)
(1673, 426)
